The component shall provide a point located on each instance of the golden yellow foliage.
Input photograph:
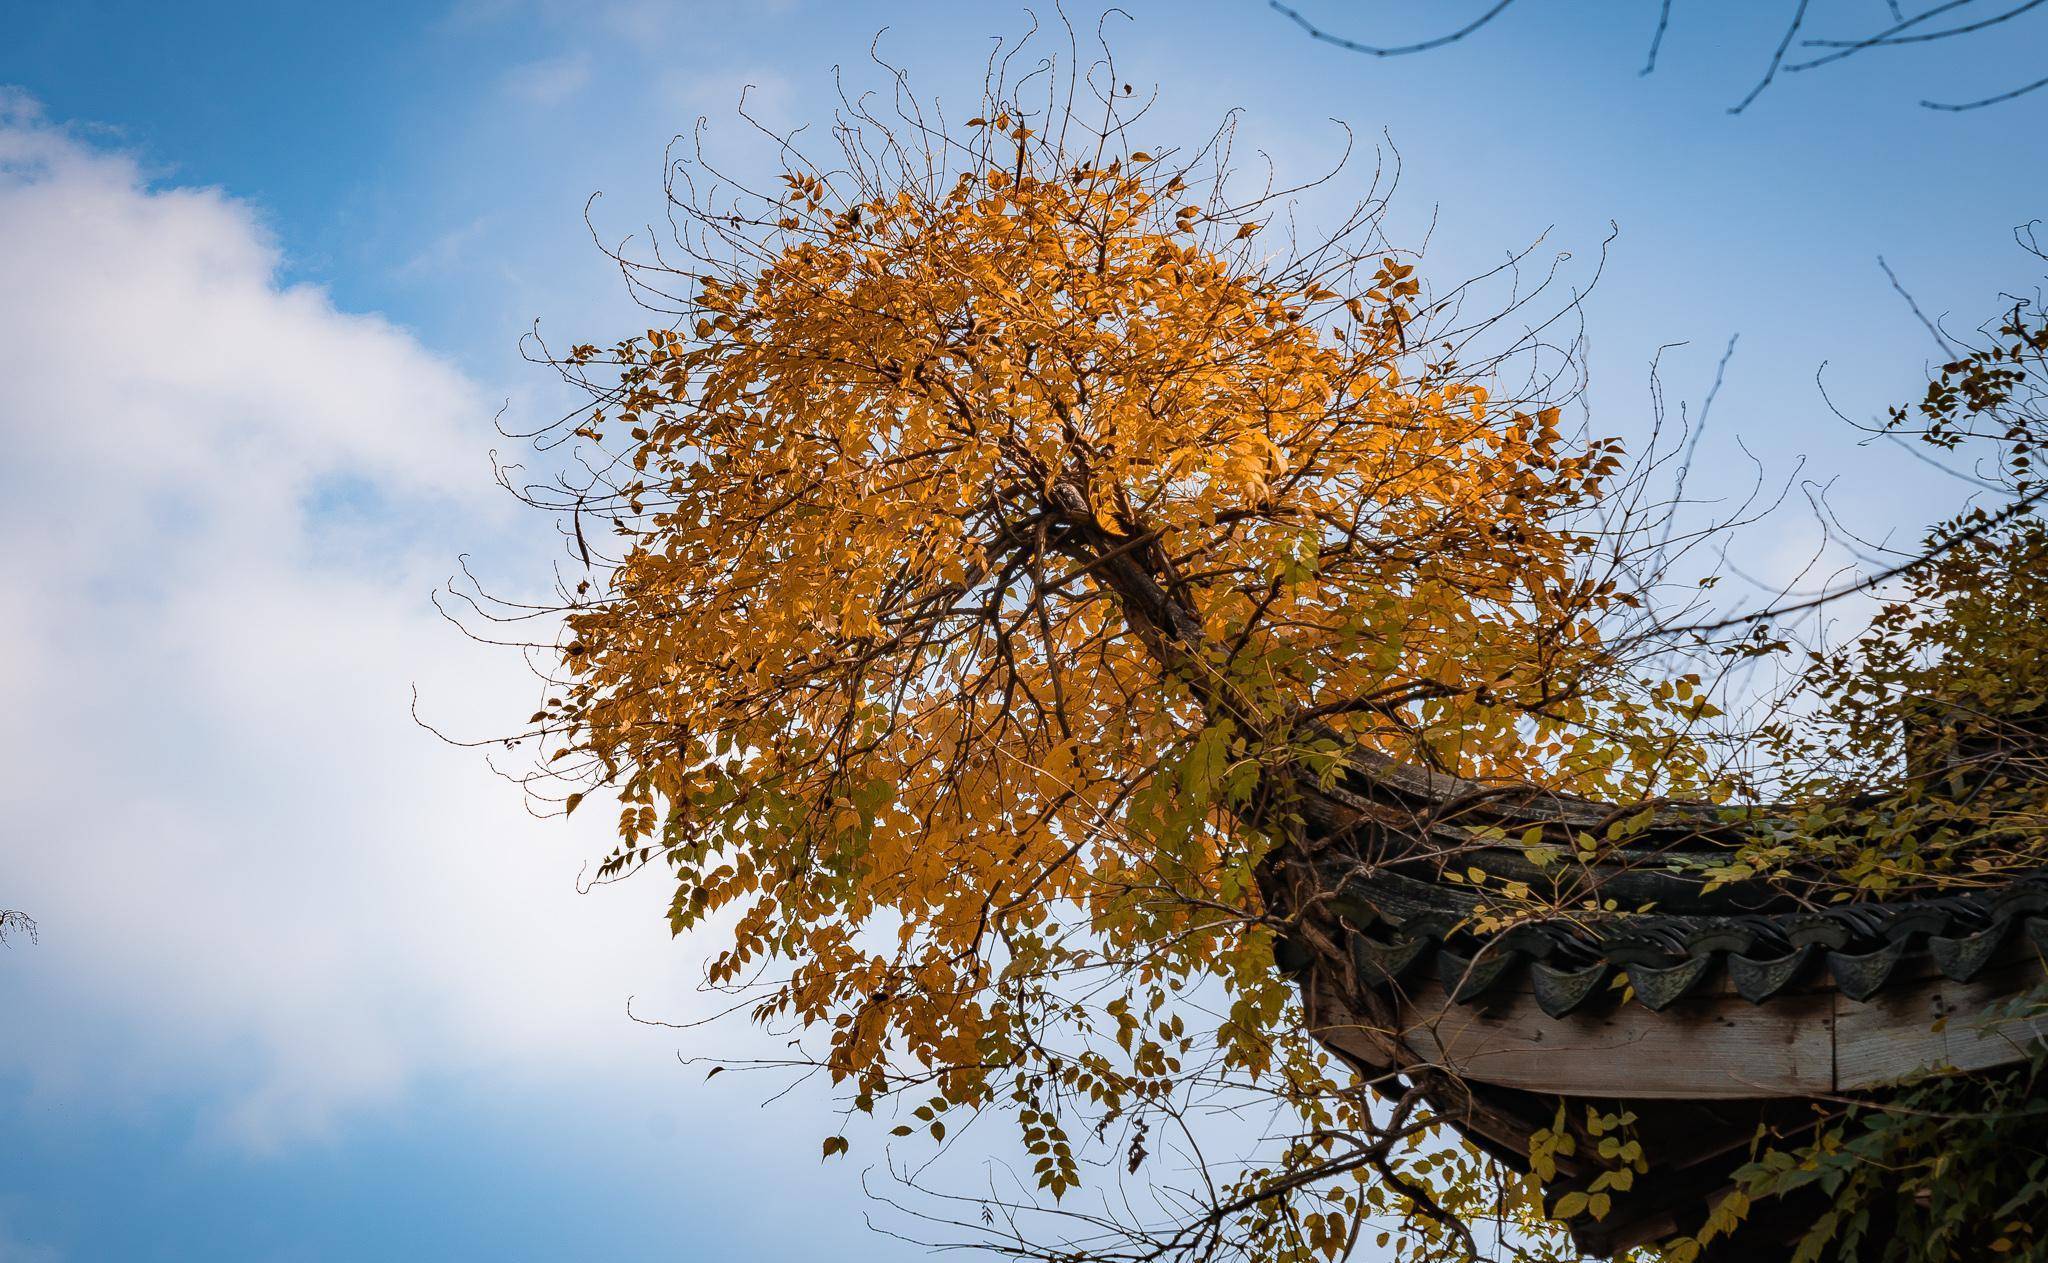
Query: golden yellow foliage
(993, 542)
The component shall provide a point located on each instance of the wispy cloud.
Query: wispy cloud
(767, 96)
(551, 81)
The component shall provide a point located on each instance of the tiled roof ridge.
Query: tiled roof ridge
(1402, 929)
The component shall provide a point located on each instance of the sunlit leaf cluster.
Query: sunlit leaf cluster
(1007, 518)
(872, 681)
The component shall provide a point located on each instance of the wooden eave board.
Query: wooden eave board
(1718, 1046)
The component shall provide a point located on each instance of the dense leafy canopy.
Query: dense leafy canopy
(1001, 526)
(863, 674)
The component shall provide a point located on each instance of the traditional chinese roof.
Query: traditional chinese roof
(1708, 1008)
(1404, 929)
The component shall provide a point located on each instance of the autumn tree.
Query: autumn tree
(1031, 562)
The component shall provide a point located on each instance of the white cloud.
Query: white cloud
(226, 503)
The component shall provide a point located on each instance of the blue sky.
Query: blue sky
(313, 986)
